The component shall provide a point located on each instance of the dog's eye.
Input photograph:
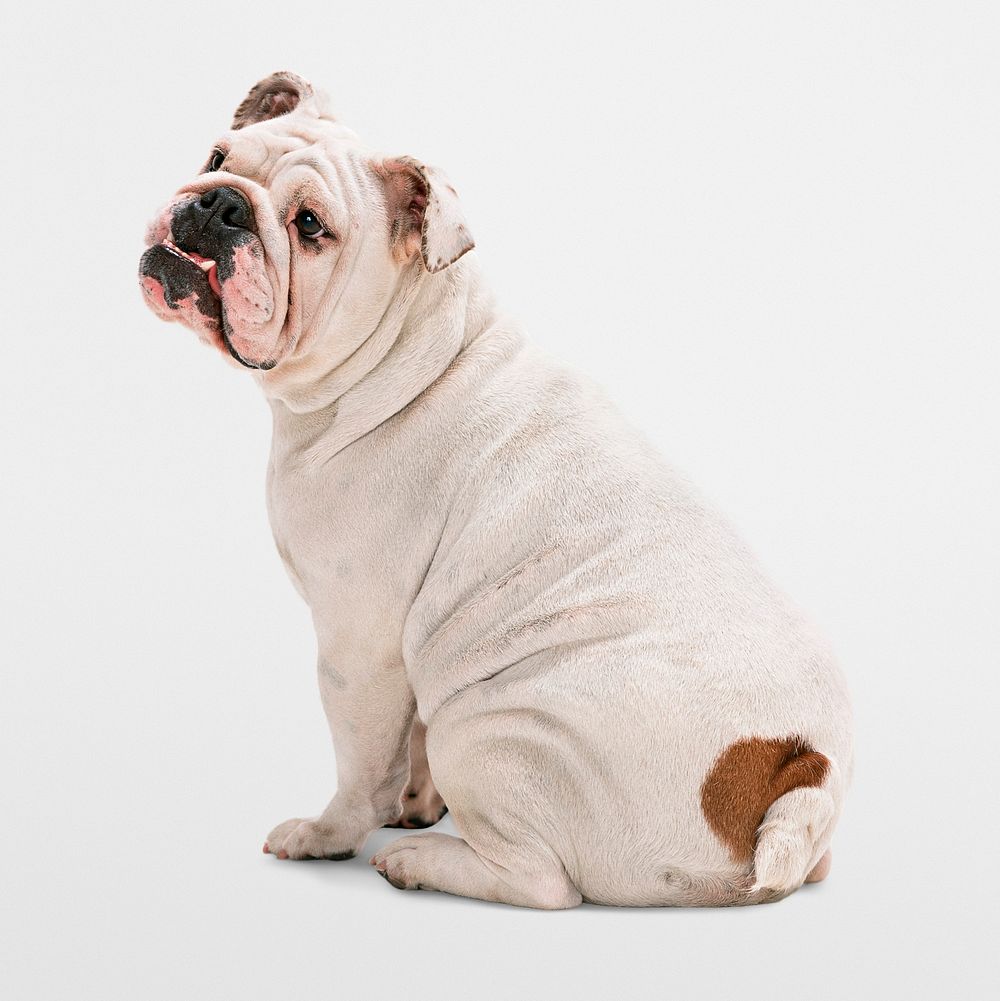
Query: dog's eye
(308, 225)
(216, 160)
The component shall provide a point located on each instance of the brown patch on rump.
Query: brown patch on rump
(747, 778)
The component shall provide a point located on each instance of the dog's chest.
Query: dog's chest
(353, 532)
(323, 520)
(311, 517)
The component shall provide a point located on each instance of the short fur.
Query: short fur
(619, 706)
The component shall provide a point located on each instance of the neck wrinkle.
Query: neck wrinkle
(305, 393)
(422, 331)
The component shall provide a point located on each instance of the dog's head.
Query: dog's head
(294, 233)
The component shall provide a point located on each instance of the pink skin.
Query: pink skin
(821, 869)
(187, 312)
(249, 304)
(159, 229)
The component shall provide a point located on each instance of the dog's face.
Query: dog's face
(294, 236)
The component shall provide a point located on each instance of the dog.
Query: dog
(521, 610)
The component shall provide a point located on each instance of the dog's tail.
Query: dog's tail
(792, 845)
(773, 802)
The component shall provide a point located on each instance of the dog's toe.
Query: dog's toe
(308, 839)
(395, 864)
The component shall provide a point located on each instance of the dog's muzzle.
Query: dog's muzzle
(207, 270)
(214, 225)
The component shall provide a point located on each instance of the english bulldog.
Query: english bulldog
(521, 610)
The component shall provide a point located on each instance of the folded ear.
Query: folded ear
(275, 95)
(424, 212)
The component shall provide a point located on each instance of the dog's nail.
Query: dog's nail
(267, 851)
(282, 853)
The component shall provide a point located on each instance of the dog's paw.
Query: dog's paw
(302, 839)
(399, 862)
(422, 807)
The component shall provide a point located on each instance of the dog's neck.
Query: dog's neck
(427, 323)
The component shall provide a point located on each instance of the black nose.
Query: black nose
(213, 224)
(227, 206)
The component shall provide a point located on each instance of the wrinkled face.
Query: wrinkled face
(293, 229)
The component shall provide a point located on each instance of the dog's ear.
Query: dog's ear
(275, 95)
(424, 213)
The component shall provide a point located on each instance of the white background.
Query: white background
(770, 229)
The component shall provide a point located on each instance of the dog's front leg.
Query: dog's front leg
(370, 710)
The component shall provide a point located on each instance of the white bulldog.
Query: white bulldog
(617, 706)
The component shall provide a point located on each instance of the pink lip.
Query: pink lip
(206, 264)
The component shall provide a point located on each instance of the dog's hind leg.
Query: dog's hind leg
(441, 862)
(821, 869)
(422, 803)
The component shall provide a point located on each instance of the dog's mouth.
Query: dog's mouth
(180, 285)
(226, 298)
(205, 264)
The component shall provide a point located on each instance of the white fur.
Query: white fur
(484, 541)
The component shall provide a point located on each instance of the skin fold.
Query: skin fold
(521, 610)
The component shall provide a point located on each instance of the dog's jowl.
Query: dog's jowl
(524, 615)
